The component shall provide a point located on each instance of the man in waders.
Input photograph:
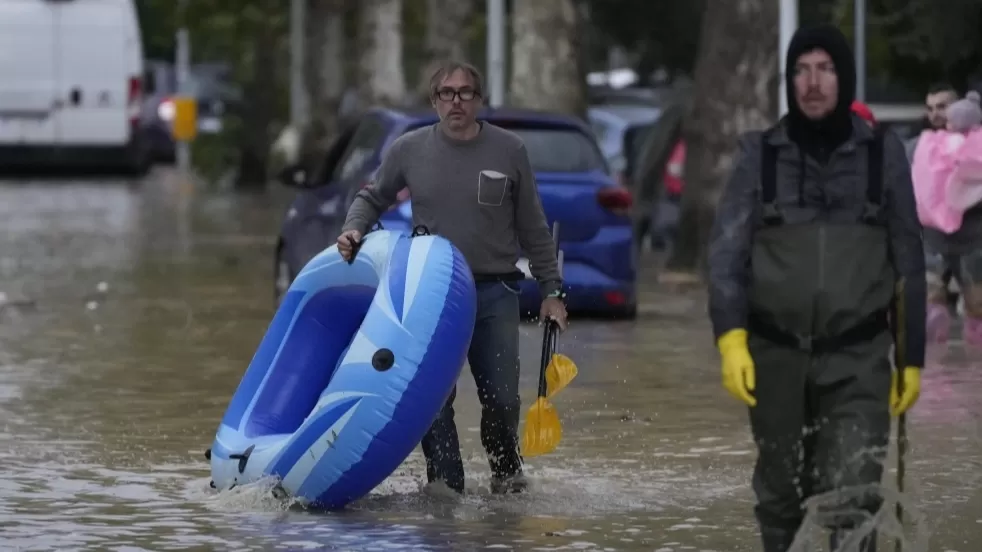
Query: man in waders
(815, 231)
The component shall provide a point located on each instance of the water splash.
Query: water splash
(825, 510)
(259, 496)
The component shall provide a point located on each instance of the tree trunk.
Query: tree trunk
(323, 71)
(446, 37)
(546, 73)
(735, 91)
(258, 115)
(381, 78)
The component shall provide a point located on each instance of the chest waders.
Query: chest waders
(820, 298)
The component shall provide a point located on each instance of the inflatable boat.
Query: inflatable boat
(354, 367)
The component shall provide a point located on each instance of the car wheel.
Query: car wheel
(630, 312)
(138, 161)
(282, 276)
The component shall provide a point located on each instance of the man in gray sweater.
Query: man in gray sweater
(472, 183)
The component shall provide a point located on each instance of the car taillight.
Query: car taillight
(134, 97)
(615, 199)
(614, 298)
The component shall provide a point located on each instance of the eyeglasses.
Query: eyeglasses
(448, 94)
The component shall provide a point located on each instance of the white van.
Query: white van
(71, 87)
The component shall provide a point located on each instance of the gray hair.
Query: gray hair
(446, 68)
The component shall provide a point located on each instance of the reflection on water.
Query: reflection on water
(140, 307)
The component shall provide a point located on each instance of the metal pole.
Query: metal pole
(788, 11)
(298, 95)
(860, 49)
(183, 73)
(496, 52)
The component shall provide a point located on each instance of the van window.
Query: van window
(366, 141)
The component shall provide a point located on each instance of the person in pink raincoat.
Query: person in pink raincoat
(947, 177)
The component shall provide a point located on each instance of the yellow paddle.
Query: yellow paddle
(559, 373)
(542, 429)
(561, 369)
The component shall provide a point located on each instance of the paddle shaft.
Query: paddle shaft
(901, 467)
(901, 453)
(559, 252)
(901, 363)
(549, 339)
(548, 348)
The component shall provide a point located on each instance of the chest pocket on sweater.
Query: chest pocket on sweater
(492, 188)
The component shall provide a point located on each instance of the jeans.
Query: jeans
(941, 270)
(966, 270)
(493, 358)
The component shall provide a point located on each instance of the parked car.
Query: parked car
(71, 85)
(210, 86)
(622, 130)
(593, 211)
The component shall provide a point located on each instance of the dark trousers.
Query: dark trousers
(821, 423)
(493, 358)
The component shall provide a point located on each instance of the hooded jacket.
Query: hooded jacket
(819, 138)
(832, 154)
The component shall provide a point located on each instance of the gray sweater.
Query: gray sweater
(480, 194)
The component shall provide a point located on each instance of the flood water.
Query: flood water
(132, 311)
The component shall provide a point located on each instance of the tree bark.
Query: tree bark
(446, 37)
(735, 92)
(546, 73)
(381, 78)
(259, 111)
(324, 70)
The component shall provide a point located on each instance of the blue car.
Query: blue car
(577, 191)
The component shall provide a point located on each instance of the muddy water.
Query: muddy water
(132, 311)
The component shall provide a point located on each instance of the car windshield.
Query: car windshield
(560, 149)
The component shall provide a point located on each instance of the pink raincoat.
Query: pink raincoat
(947, 175)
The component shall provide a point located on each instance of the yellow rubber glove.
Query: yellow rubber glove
(738, 367)
(900, 402)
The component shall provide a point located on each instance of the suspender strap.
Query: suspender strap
(874, 183)
(768, 181)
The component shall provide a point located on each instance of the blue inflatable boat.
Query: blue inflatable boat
(353, 369)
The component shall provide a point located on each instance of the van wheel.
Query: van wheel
(138, 164)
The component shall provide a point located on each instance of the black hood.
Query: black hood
(827, 133)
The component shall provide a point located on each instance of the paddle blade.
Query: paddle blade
(542, 430)
(559, 373)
